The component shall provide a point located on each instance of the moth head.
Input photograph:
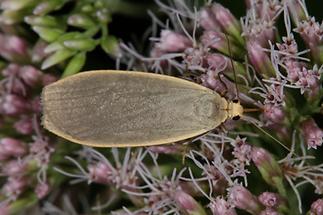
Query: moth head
(235, 110)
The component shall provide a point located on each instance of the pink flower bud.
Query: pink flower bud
(269, 199)
(12, 105)
(218, 62)
(312, 134)
(15, 186)
(317, 207)
(11, 147)
(215, 40)
(173, 42)
(242, 150)
(14, 168)
(17, 44)
(11, 70)
(187, 203)
(38, 51)
(244, 199)
(268, 167)
(297, 10)
(30, 75)
(13, 48)
(48, 79)
(207, 20)
(36, 105)
(41, 190)
(24, 126)
(260, 59)
(221, 207)
(269, 211)
(100, 173)
(226, 20)
(4, 208)
(273, 113)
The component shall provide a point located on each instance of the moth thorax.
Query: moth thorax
(234, 110)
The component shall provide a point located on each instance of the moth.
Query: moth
(113, 108)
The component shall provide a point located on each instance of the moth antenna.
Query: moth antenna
(272, 137)
(248, 110)
(233, 68)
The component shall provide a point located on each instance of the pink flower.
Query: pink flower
(312, 134)
(12, 105)
(221, 207)
(100, 173)
(173, 42)
(11, 147)
(24, 125)
(14, 187)
(317, 207)
(14, 168)
(244, 199)
(269, 199)
(42, 189)
(273, 113)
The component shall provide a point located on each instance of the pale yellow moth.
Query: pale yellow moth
(112, 108)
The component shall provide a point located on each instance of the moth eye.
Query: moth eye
(235, 101)
(236, 118)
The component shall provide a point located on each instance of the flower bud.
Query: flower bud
(317, 207)
(30, 75)
(24, 126)
(38, 51)
(269, 199)
(48, 34)
(42, 189)
(269, 211)
(173, 42)
(11, 147)
(110, 45)
(57, 57)
(269, 168)
(47, 6)
(80, 20)
(207, 20)
(260, 60)
(100, 173)
(13, 48)
(14, 168)
(220, 42)
(4, 208)
(15, 186)
(75, 65)
(312, 134)
(227, 21)
(296, 9)
(43, 21)
(48, 79)
(84, 44)
(221, 207)
(13, 105)
(187, 203)
(244, 199)
(273, 113)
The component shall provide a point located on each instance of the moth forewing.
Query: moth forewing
(109, 108)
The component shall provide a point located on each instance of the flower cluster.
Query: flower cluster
(267, 163)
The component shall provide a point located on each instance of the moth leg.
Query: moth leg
(220, 76)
